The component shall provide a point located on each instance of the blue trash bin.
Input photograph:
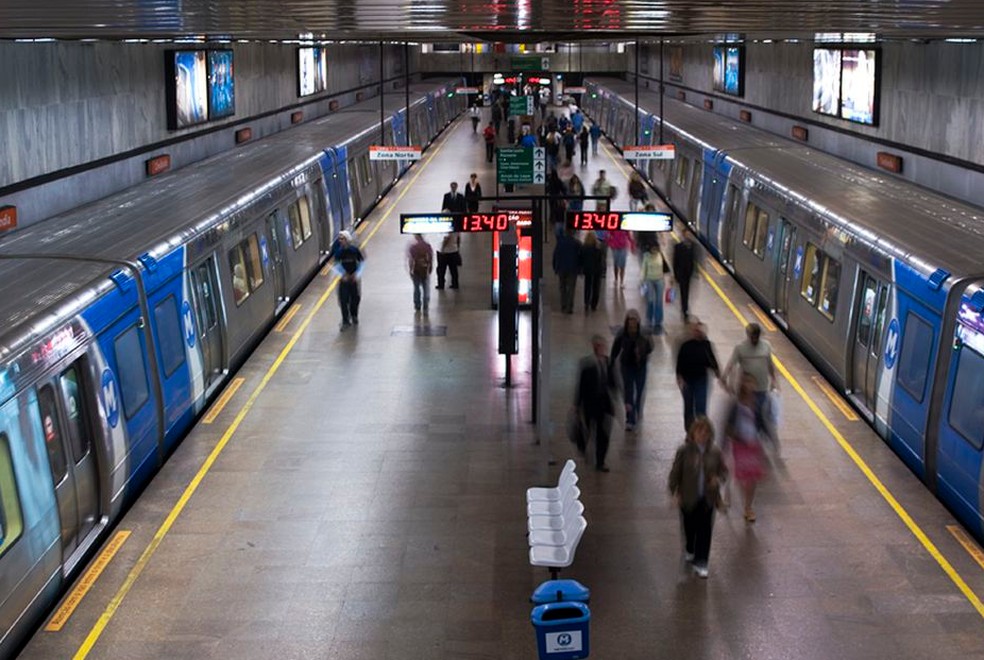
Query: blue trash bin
(556, 591)
(562, 630)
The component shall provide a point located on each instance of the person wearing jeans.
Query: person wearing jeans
(654, 268)
(694, 359)
(632, 348)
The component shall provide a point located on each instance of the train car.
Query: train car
(122, 318)
(877, 280)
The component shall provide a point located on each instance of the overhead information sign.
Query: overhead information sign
(394, 153)
(650, 152)
(466, 90)
(575, 90)
(522, 164)
(612, 220)
(520, 105)
(443, 223)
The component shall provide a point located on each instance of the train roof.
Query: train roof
(927, 229)
(157, 215)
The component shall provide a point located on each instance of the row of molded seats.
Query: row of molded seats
(555, 521)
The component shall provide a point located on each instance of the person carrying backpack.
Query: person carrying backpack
(420, 263)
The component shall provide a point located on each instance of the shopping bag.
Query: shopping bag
(670, 294)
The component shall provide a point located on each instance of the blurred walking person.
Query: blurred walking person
(489, 134)
(420, 263)
(744, 427)
(632, 348)
(595, 133)
(620, 243)
(694, 359)
(473, 192)
(684, 266)
(695, 482)
(592, 263)
(582, 144)
(593, 399)
(566, 263)
(349, 262)
(654, 270)
(754, 358)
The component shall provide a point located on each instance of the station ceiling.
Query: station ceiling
(487, 20)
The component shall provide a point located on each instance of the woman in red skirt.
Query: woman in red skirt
(742, 432)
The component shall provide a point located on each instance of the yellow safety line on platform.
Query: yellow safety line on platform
(717, 267)
(964, 539)
(165, 527)
(762, 317)
(220, 404)
(863, 466)
(92, 574)
(835, 399)
(288, 317)
(326, 271)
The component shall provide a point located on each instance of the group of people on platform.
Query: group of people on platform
(700, 467)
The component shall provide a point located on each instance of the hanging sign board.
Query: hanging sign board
(575, 90)
(466, 90)
(394, 153)
(650, 152)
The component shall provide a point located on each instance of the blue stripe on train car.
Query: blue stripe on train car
(910, 339)
(717, 170)
(400, 135)
(344, 192)
(960, 465)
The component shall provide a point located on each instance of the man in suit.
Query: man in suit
(454, 201)
(593, 398)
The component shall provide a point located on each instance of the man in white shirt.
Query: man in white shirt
(754, 357)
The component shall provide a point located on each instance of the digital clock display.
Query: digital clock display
(442, 223)
(612, 220)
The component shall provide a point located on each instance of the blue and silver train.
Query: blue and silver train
(120, 320)
(880, 282)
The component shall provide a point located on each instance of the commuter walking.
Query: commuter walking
(591, 265)
(603, 188)
(593, 399)
(684, 265)
(489, 134)
(454, 201)
(349, 262)
(620, 243)
(496, 118)
(476, 116)
(595, 133)
(473, 192)
(570, 140)
(654, 269)
(744, 427)
(637, 191)
(632, 348)
(566, 263)
(577, 121)
(449, 257)
(695, 482)
(575, 193)
(694, 359)
(582, 138)
(753, 357)
(420, 264)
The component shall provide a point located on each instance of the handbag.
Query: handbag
(577, 431)
(457, 258)
(670, 294)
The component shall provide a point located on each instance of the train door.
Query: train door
(206, 292)
(728, 227)
(787, 238)
(278, 270)
(68, 438)
(872, 305)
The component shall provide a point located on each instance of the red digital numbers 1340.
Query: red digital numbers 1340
(485, 222)
(590, 220)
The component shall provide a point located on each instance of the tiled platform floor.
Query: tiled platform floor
(371, 504)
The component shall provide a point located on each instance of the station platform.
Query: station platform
(360, 494)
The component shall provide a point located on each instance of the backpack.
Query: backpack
(421, 265)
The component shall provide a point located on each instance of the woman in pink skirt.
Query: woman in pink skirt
(742, 432)
(620, 243)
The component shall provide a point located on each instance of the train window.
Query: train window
(251, 247)
(169, 335)
(866, 316)
(305, 209)
(52, 433)
(748, 236)
(967, 404)
(78, 429)
(879, 320)
(917, 338)
(11, 520)
(131, 370)
(761, 233)
(683, 167)
(294, 212)
(829, 288)
(811, 273)
(237, 264)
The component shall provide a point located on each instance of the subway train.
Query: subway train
(121, 319)
(880, 282)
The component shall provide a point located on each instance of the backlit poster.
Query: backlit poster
(727, 74)
(190, 88)
(221, 84)
(826, 80)
(306, 71)
(858, 78)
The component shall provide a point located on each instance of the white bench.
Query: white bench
(555, 522)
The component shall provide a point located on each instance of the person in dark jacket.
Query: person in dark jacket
(349, 261)
(694, 359)
(473, 192)
(454, 201)
(632, 348)
(582, 139)
(684, 265)
(567, 263)
(593, 399)
(592, 264)
(695, 482)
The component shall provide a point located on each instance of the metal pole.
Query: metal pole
(636, 92)
(662, 91)
(535, 304)
(382, 110)
(406, 87)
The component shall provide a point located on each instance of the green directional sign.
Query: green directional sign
(521, 165)
(520, 105)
